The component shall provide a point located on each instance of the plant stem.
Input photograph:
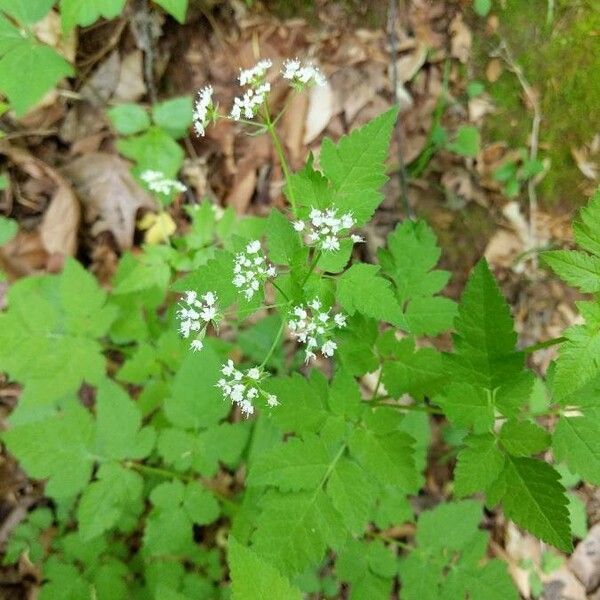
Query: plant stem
(313, 264)
(409, 407)
(542, 345)
(278, 288)
(377, 384)
(273, 345)
(281, 156)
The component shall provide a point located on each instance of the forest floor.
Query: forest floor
(520, 83)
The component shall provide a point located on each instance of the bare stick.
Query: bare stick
(402, 175)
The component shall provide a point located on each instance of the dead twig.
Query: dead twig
(506, 55)
(402, 175)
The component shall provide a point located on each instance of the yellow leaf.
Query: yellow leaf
(158, 227)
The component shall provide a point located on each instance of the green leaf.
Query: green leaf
(48, 335)
(490, 581)
(485, 340)
(576, 441)
(585, 229)
(410, 259)
(44, 68)
(449, 526)
(129, 118)
(293, 466)
(176, 8)
(252, 578)
(86, 12)
(195, 401)
(535, 500)
(467, 406)
(27, 11)
(105, 500)
(415, 372)
(64, 457)
(477, 465)
(578, 269)
(523, 438)
(153, 150)
(8, 229)
(475, 88)
(175, 115)
(420, 578)
(482, 7)
(466, 142)
(387, 457)
(118, 425)
(353, 494)
(361, 289)
(578, 361)
(355, 166)
(285, 247)
(294, 530)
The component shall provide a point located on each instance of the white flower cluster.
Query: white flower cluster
(251, 269)
(301, 76)
(325, 229)
(157, 182)
(244, 388)
(249, 103)
(204, 110)
(195, 314)
(314, 326)
(254, 78)
(255, 75)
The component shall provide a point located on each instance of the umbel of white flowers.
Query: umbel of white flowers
(158, 182)
(325, 229)
(194, 314)
(244, 387)
(251, 270)
(299, 76)
(314, 326)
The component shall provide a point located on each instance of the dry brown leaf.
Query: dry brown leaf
(131, 86)
(460, 43)
(104, 81)
(23, 255)
(479, 107)
(60, 224)
(110, 195)
(409, 65)
(585, 561)
(584, 164)
(242, 191)
(320, 110)
(293, 127)
(494, 70)
(49, 30)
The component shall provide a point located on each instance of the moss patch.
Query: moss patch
(558, 51)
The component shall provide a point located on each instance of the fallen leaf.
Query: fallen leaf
(408, 66)
(585, 560)
(460, 43)
(494, 70)
(104, 81)
(584, 164)
(293, 127)
(23, 255)
(158, 227)
(60, 224)
(321, 103)
(131, 86)
(109, 194)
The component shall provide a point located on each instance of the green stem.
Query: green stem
(280, 290)
(542, 345)
(313, 265)
(384, 401)
(270, 125)
(273, 345)
(376, 390)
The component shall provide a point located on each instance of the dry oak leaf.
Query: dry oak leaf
(110, 196)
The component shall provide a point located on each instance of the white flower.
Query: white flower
(254, 373)
(159, 183)
(204, 110)
(340, 320)
(242, 388)
(248, 104)
(325, 229)
(196, 345)
(251, 270)
(301, 76)
(256, 73)
(357, 239)
(272, 400)
(328, 348)
(194, 316)
(315, 327)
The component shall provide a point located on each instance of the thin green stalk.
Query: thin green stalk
(376, 390)
(281, 156)
(542, 345)
(280, 290)
(313, 265)
(383, 401)
(273, 345)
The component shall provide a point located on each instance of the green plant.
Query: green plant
(22, 52)
(513, 174)
(152, 478)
